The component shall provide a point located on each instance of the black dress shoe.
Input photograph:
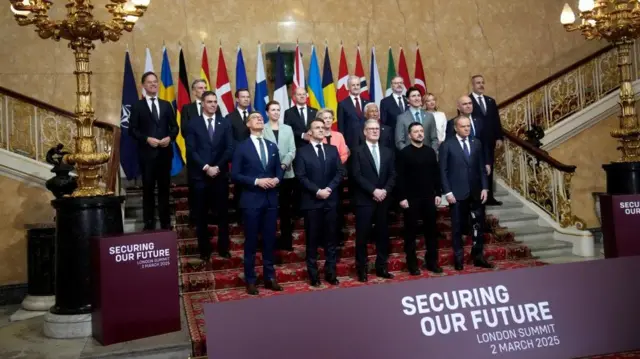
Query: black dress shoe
(315, 282)
(434, 268)
(362, 276)
(493, 202)
(252, 289)
(414, 271)
(458, 265)
(225, 254)
(331, 279)
(383, 273)
(205, 257)
(273, 285)
(482, 263)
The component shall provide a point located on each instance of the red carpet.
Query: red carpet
(223, 279)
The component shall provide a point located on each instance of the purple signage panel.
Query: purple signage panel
(134, 286)
(620, 225)
(557, 311)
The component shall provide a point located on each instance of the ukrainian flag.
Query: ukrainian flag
(168, 93)
(316, 95)
(329, 88)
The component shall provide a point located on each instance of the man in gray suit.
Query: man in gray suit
(415, 113)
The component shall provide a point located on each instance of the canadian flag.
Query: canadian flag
(419, 81)
(343, 77)
(364, 90)
(223, 87)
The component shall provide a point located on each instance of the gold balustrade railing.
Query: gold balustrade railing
(30, 128)
(566, 92)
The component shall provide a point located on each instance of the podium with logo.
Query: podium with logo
(620, 224)
(135, 294)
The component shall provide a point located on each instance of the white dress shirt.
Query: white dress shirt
(314, 144)
(353, 99)
(480, 100)
(256, 144)
(400, 100)
(376, 157)
(199, 107)
(304, 118)
(155, 103)
(206, 125)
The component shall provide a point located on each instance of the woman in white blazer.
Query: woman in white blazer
(431, 105)
(282, 135)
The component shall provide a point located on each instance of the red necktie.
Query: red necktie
(358, 108)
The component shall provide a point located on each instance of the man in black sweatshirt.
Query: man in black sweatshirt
(419, 193)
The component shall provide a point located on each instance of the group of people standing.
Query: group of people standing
(404, 156)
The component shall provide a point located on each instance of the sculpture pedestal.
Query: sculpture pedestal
(78, 219)
(623, 177)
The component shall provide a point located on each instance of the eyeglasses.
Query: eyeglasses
(373, 129)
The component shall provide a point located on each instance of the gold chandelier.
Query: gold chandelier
(81, 30)
(617, 21)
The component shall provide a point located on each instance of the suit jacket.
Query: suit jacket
(293, 119)
(462, 176)
(203, 151)
(188, 112)
(240, 130)
(142, 126)
(478, 129)
(313, 177)
(246, 168)
(389, 110)
(366, 178)
(491, 125)
(402, 129)
(348, 118)
(286, 145)
(386, 137)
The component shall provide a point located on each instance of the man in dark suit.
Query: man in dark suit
(387, 134)
(153, 125)
(238, 117)
(465, 109)
(320, 171)
(418, 192)
(485, 111)
(374, 176)
(300, 116)
(351, 111)
(256, 168)
(209, 145)
(464, 182)
(394, 104)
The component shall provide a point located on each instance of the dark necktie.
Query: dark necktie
(199, 104)
(400, 103)
(154, 110)
(465, 148)
(482, 105)
(473, 127)
(210, 129)
(329, 139)
(263, 154)
(321, 156)
(302, 116)
(244, 116)
(358, 108)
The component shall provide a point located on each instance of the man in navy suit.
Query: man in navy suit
(351, 112)
(394, 104)
(374, 176)
(153, 125)
(464, 182)
(256, 168)
(209, 145)
(319, 169)
(387, 133)
(485, 111)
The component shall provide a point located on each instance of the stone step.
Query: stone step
(532, 233)
(507, 207)
(549, 248)
(516, 219)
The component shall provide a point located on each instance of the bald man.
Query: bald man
(299, 117)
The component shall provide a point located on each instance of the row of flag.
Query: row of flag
(322, 90)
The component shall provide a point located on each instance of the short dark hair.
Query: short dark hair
(412, 125)
(147, 74)
(208, 93)
(271, 103)
(315, 120)
(241, 90)
(476, 76)
(412, 89)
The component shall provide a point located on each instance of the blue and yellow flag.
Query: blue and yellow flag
(329, 88)
(168, 93)
(316, 96)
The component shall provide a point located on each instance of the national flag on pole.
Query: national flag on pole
(316, 96)
(184, 98)
(280, 92)
(167, 93)
(223, 87)
(374, 76)
(261, 93)
(391, 72)
(329, 88)
(148, 66)
(364, 90)
(298, 74)
(128, 146)
(343, 77)
(419, 80)
(241, 74)
(403, 71)
(204, 70)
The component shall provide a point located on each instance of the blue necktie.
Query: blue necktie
(210, 129)
(321, 156)
(465, 148)
(418, 119)
(473, 127)
(263, 155)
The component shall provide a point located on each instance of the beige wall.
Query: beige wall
(513, 43)
(22, 204)
(588, 151)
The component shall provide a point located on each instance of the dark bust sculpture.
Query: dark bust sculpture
(62, 183)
